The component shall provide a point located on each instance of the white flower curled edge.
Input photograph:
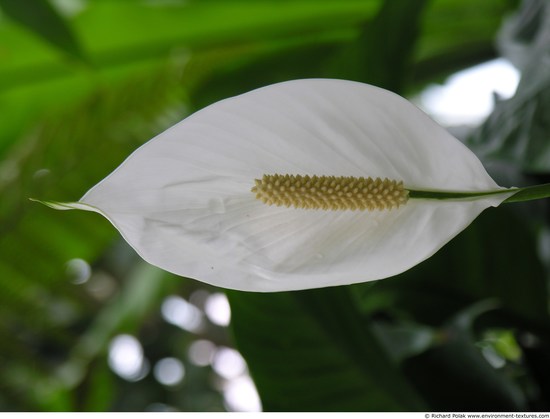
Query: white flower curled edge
(183, 200)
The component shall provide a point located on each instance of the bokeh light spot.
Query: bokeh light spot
(201, 352)
(126, 358)
(169, 371)
(228, 363)
(78, 271)
(177, 311)
(240, 395)
(217, 309)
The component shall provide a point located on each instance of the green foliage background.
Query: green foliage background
(85, 82)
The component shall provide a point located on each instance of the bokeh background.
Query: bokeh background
(85, 325)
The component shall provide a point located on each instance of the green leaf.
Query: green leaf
(453, 375)
(451, 35)
(456, 34)
(71, 150)
(536, 358)
(382, 54)
(42, 19)
(101, 389)
(230, 75)
(32, 76)
(494, 260)
(312, 351)
(404, 340)
(114, 34)
(495, 257)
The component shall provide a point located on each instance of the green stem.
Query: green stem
(528, 193)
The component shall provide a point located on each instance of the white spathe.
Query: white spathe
(183, 200)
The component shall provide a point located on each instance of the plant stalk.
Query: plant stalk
(528, 193)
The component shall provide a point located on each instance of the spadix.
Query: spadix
(340, 193)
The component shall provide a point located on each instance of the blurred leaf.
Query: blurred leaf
(118, 33)
(495, 257)
(230, 75)
(456, 34)
(145, 287)
(536, 353)
(523, 33)
(452, 35)
(263, 43)
(454, 376)
(41, 18)
(71, 151)
(381, 55)
(142, 292)
(404, 340)
(100, 389)
(126, 38)
(311, 351)
(519, 128)
(502, 342)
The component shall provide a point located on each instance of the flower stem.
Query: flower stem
(528, 193)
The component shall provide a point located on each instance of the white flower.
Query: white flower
(183, 201)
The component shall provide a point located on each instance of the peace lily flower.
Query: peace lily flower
(277, 189)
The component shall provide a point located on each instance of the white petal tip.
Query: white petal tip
(63, 206)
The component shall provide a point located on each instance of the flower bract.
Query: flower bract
(183, 200)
